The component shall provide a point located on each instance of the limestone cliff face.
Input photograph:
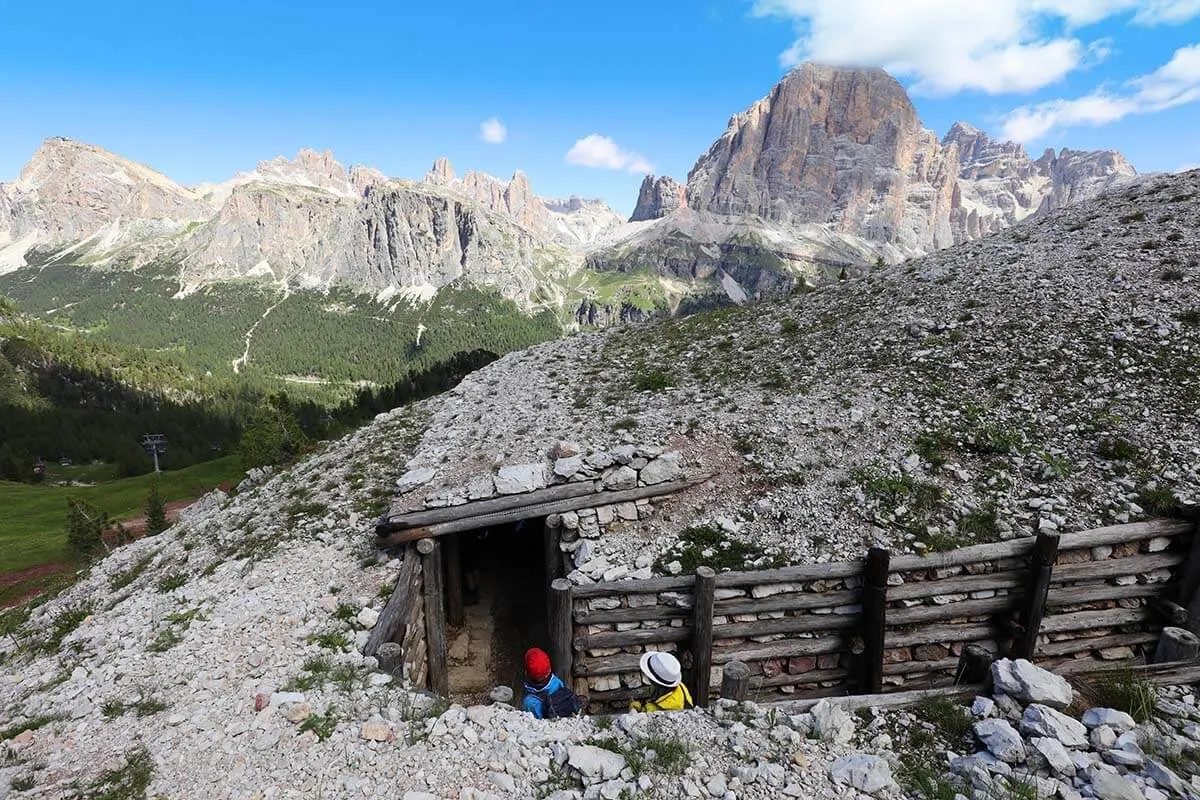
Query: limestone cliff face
(999, 185)
(658, 197)
(69, 192)
(840, 147)
(395, 236)
(844, 149)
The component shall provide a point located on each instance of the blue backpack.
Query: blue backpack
(562, 702)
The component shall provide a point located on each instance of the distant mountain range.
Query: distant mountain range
(824, 177)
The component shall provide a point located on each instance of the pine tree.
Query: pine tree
(85, 527)
(156, 512)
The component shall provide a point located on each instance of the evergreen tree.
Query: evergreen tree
(85, 527)
(156, 512)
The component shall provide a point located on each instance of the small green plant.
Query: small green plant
(1126, 691)
(1172, 274)
(951, 720)
(1157, 500)
(925, 780)
(165, 640)
(172, 582)
(24, 783)
(1189, 317)
(654, 380)
(933, 446)
(624, 424)
(127, 782)
(31, 724)
(120, 580)
(149, 706)
(710, 546)
(981, 524)
(1137, 216)
(322, 725)
(113, 708)
(1114, 448)
(1057, 465)
(345, 612)
(62, 624)
(330, 640)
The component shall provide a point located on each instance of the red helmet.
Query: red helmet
(537, 664)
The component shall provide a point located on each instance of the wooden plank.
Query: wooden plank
(607, 665)
(799, 601)
(784, 648)
(798, 679)
(1078, 595)
(641, 614)
(561, 628)
(887, 700)
(395, 537)
(974, 554)
(961, 608)
(940, 634)
(1033, 608)
(1114, 567)
(796, 574)
(435, 617)
(1120, 534)
(809, 623)
(635, 638)
(417, 519)
(959, 584)
(943, 665)
(648, 586)
(1053, 649)
(702, 633)
(1084, 620)
(874, 619)
(395, 611)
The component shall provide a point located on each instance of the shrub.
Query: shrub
(85, 527)
(156, 511)
(1114, 448)
(654, 380)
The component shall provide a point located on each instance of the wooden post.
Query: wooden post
(703, 598)
(1037, 587)
(1189, 582)
(561, 629)
(454, 580)
(1177, 644)
(874, 618)
(391, 658)
(974, 665)
(551, 556)
(435, 616)
(735, 681)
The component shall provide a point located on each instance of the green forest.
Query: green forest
(320, 344)
(84, 398)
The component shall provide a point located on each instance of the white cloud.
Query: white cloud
(493, 131)
(948, 46)
(602, 152)
(1175, 83)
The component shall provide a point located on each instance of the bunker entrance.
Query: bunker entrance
(502, 581)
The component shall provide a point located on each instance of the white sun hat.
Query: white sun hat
(661, 668)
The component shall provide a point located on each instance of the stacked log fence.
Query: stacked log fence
(1075, 602)
(399, 639)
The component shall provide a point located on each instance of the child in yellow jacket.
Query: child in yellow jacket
(662, 670)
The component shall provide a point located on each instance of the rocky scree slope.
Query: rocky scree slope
(222, 658)
(1043, 377)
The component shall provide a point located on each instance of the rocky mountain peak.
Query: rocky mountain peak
(441, 174)
(658, 197)
(309, 168)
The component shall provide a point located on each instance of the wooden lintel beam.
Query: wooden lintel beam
(535, 510)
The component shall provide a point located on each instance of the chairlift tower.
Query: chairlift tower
(154, 444)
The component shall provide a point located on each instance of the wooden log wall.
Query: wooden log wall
(403, 620)
(801, 631)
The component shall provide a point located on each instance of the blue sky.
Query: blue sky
(201, 90)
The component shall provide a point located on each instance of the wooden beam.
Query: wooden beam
(702, 633)
(874, 619)
(530, 511)
(454, 581)
(561, 627)
(735, 681)
(1177, 644)
(435, 617)
(390, 626)
(433, 516)
(1041, 565)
